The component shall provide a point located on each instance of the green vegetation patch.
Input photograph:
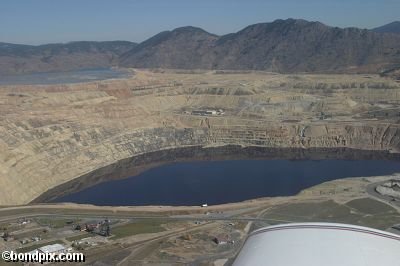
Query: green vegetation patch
(370, 206)
(56, 223)
(382, 222)
(9, 227)
(240, 225)
(30, 234)
(33, 247)
(368, 213)
(140, 227)
(78, 237)
(310, 211)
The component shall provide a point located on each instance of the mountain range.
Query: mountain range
(19, 59)
(286, 46)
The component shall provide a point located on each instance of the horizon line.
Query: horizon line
(170, 30)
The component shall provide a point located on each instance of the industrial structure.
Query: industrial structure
(208, 112)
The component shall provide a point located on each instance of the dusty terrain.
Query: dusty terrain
(186, 235)
(53, 134)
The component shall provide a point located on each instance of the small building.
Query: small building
(55, 248)
(222, 239)
(198, 112)
(91, 227)
(204, 205)
(7, 237)
(210, 112)
(23, 221)
(36, 238)
(24, 241)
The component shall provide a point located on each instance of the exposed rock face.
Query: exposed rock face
(137, 164)
(67, 158)
(182, 48)
(50, 135)
(19, 59)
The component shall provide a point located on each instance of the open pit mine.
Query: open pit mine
(51, 135)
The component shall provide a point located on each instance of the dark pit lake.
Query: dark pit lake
(218, 182)
(78, 76)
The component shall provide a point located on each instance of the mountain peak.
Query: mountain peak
(289, 21)
(294, 22)
(284, 24)
(190, 29)
(393, 27)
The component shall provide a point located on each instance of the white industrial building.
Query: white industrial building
(55, 248)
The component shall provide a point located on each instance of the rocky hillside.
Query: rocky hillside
(18, 59)
(393, 27)
(183, 48)
(283, 45)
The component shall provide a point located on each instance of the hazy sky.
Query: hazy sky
(44, 21)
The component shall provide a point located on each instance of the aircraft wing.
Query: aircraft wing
(320, 244)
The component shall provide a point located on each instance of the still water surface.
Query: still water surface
(77, 76)
(217, 182)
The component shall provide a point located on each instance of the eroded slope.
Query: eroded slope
(52, 134)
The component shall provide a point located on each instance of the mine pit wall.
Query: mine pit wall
(145, 148)
(138, 164)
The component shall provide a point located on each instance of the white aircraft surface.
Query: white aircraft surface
(320, 244)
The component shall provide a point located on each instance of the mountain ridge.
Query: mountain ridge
(393, 27)
(283, 45)
(291, 45)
